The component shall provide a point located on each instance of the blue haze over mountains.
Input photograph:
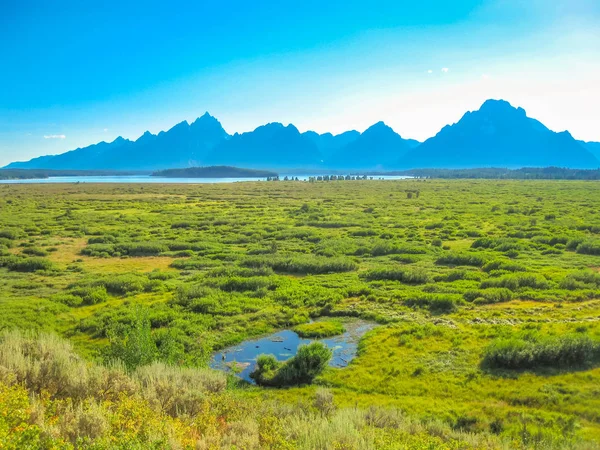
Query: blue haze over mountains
(497, 135)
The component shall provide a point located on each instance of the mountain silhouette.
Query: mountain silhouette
(592, 147)
(183, 145)
(499, 135)
(272, 146)
(328, 144)
(379, 147)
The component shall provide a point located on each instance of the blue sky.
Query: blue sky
(75, 73)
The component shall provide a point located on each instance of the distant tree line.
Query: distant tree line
(323, 178)
(525, 173)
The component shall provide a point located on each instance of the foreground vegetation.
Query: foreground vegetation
(487, 296)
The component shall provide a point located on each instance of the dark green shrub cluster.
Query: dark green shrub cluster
(436, 303)
(302, 264)
(88, 295)
(461, 259)
(388, 248)
(458, 274)
(535, 351)
(406, 276)
(309, 362)
(34, 251)
(581, 280)
(9, 234)
(487, 296)
(17, 264)
(589, 248)
(108, 239)
(122, 284)
(240, 284)
(498, 244)
(516, 282)
(552, 240)
(125, 249)
(503, 265)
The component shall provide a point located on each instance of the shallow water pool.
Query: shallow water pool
(284, 344)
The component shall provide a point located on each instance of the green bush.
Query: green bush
(589, 248)
(9, 234)
(487, 296)
(534, 351)
(581, 280)
(435, 303)
(406, 276)
(516, 282)
(108, 239)
(29, 264)
(90, 295)
(34, 251)
(302, 264)
(309, 362)
(503, 265)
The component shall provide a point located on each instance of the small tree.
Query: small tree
(133, 344)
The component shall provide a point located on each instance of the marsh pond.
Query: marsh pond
(284, 344)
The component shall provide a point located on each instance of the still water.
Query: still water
(284, 344)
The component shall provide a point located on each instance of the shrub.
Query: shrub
(125, 284)
(534, 352)
(516, 282)
(240, 284)
(503, 265)
(499, 244)
(461, 259)
(89, 295)
(386, 248)
(34, 251)
(302, 264)
(67, 299)
(142, 248)
(309, 362)
(589, 248)
(29, 264)
(9, 234)
(406, 276)
(108, 239)
(581, 280)
(133, 345)
(435, 303)
(493, 295)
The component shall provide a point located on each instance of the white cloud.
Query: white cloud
(445, 69)
(430, 71)
(105, 130)
(54, 136)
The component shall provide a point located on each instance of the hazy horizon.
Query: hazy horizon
(78, 76)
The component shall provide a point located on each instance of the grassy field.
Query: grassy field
(486, 292)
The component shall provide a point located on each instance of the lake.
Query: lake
(284, 344)
(158, 180)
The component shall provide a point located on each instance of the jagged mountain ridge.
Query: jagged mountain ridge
(499, 135)
(496, 135)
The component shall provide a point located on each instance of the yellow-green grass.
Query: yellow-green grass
(421, 359)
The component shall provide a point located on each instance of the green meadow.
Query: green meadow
(486, 296)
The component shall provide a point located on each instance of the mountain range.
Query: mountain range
(496, 135)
